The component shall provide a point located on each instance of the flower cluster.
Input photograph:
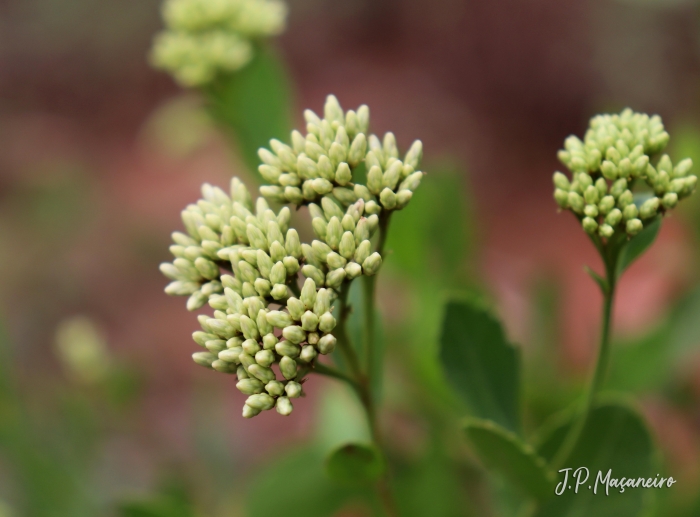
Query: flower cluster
(244, 260)
(614, 186)
(206, 37)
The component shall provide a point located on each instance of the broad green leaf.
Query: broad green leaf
(616, 439)
(253, 104)
(637, 245)
(296, 483)
(355, 463)
(508, 455)
(481, 364)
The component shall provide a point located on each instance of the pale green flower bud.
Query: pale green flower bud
(670, 200)
(250, 347)
(334, 233)
(250, 330)
(649, 208)
(402, 198)
(308, 354)
(296, 308)
(231, 355)
(606, 204)
(346, 247)
(590, 195)
(261, 372)
(335, 278)
(589, 224)
(348, 222)
(331, 208)
(293, 195)
(346, 196)
(264, 327)
(250, 386)
(411, 183)
(609, 170)
(353, 270)
(294, 334)
(248, 290)
(388, 199)
(625, 199)
(343, 175)
(323, 302)
(618, 187)
(215, 345)
(178, 288)
(591, 211)
(269, 173)
(288, 367)
(204, 358)
(293, 390)
(682, 168)
(375, 179)
(335, 261)
(576, 202)
(561, 181)
(322, 186)
(358, 148)
(279, 319)
(371, 264)
(278, 273)
(284, 406)
(291, 265)
(634, 226)
(263, 287)
(326, 344)
(241, 373)
(414, 154)
(293, 244)
(201, 338)
(306, 167)
(363, 251)
(325, 167)
(265, 357)
(309, 321)
(320, 227)
(234, 342)
(308, 293)
(249, 412)
(313, 273)
(261, 401)
(326, 323)
(392, 175)
(321, 250)
(362, 231)
(372, 158)
(312, 338)
(372, 207)
(275, 388)
(606, 231)
(362, 192)
(288, 349)
(220, 328)
(207, 268)
(223, 367)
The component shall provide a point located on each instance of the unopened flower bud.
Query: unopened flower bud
(374, 179)
(326, 322)
(634, 226)
(388, 198)
(670, 200)
(606, 204)
(353, 270)
(269, 341)
(590, 195)
(614, 217)
(284, 406)
(576, 202)
(606, 231)
(250, 330)
(309, 321)
(371, 264)
(294, 333)
(321, 250)
(625, 199)
(265, 357)
(589, 224)
(241, 373)
(288, 367)
(288, 349)
(561, 197)
(363, 251)
(334, 233)
(275, 388)
(296, 308)
(204, 358)
(402, 198)
(261, 401)
(250, 347)
(335, 261)
(308, 354)
(326, 344)
(630, 212)
(261, 372)
(308, 293)
(591, 211)
(335, 278)
(293, 389)
(249, 386)
(249, 412)
(343, 175)
(649, 208)
(331, 208)
(314, 274)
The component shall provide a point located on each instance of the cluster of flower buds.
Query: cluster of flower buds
(614, 187)
(206, 37)
(324, 164)
(344, 250)
(244, 260)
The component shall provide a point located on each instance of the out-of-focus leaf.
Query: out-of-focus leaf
(481, 364)
(253, 104)
(159, 507)
(615, 438)
(508, 455)
(431, 487)
(637, 245)
(432, 235)
(296, 484)
(355, 463)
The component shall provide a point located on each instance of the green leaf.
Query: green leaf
(637, 245)
(615, 438)
(602, 282)
(355, 463)
(508, 455)
(296, 484)
(481, 364)
(253, 104)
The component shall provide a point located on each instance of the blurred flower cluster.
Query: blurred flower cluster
(206, 37)
(614, 186)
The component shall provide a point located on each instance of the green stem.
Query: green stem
(329, 371)
(610, 256)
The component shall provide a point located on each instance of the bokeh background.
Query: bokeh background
(102, 411)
